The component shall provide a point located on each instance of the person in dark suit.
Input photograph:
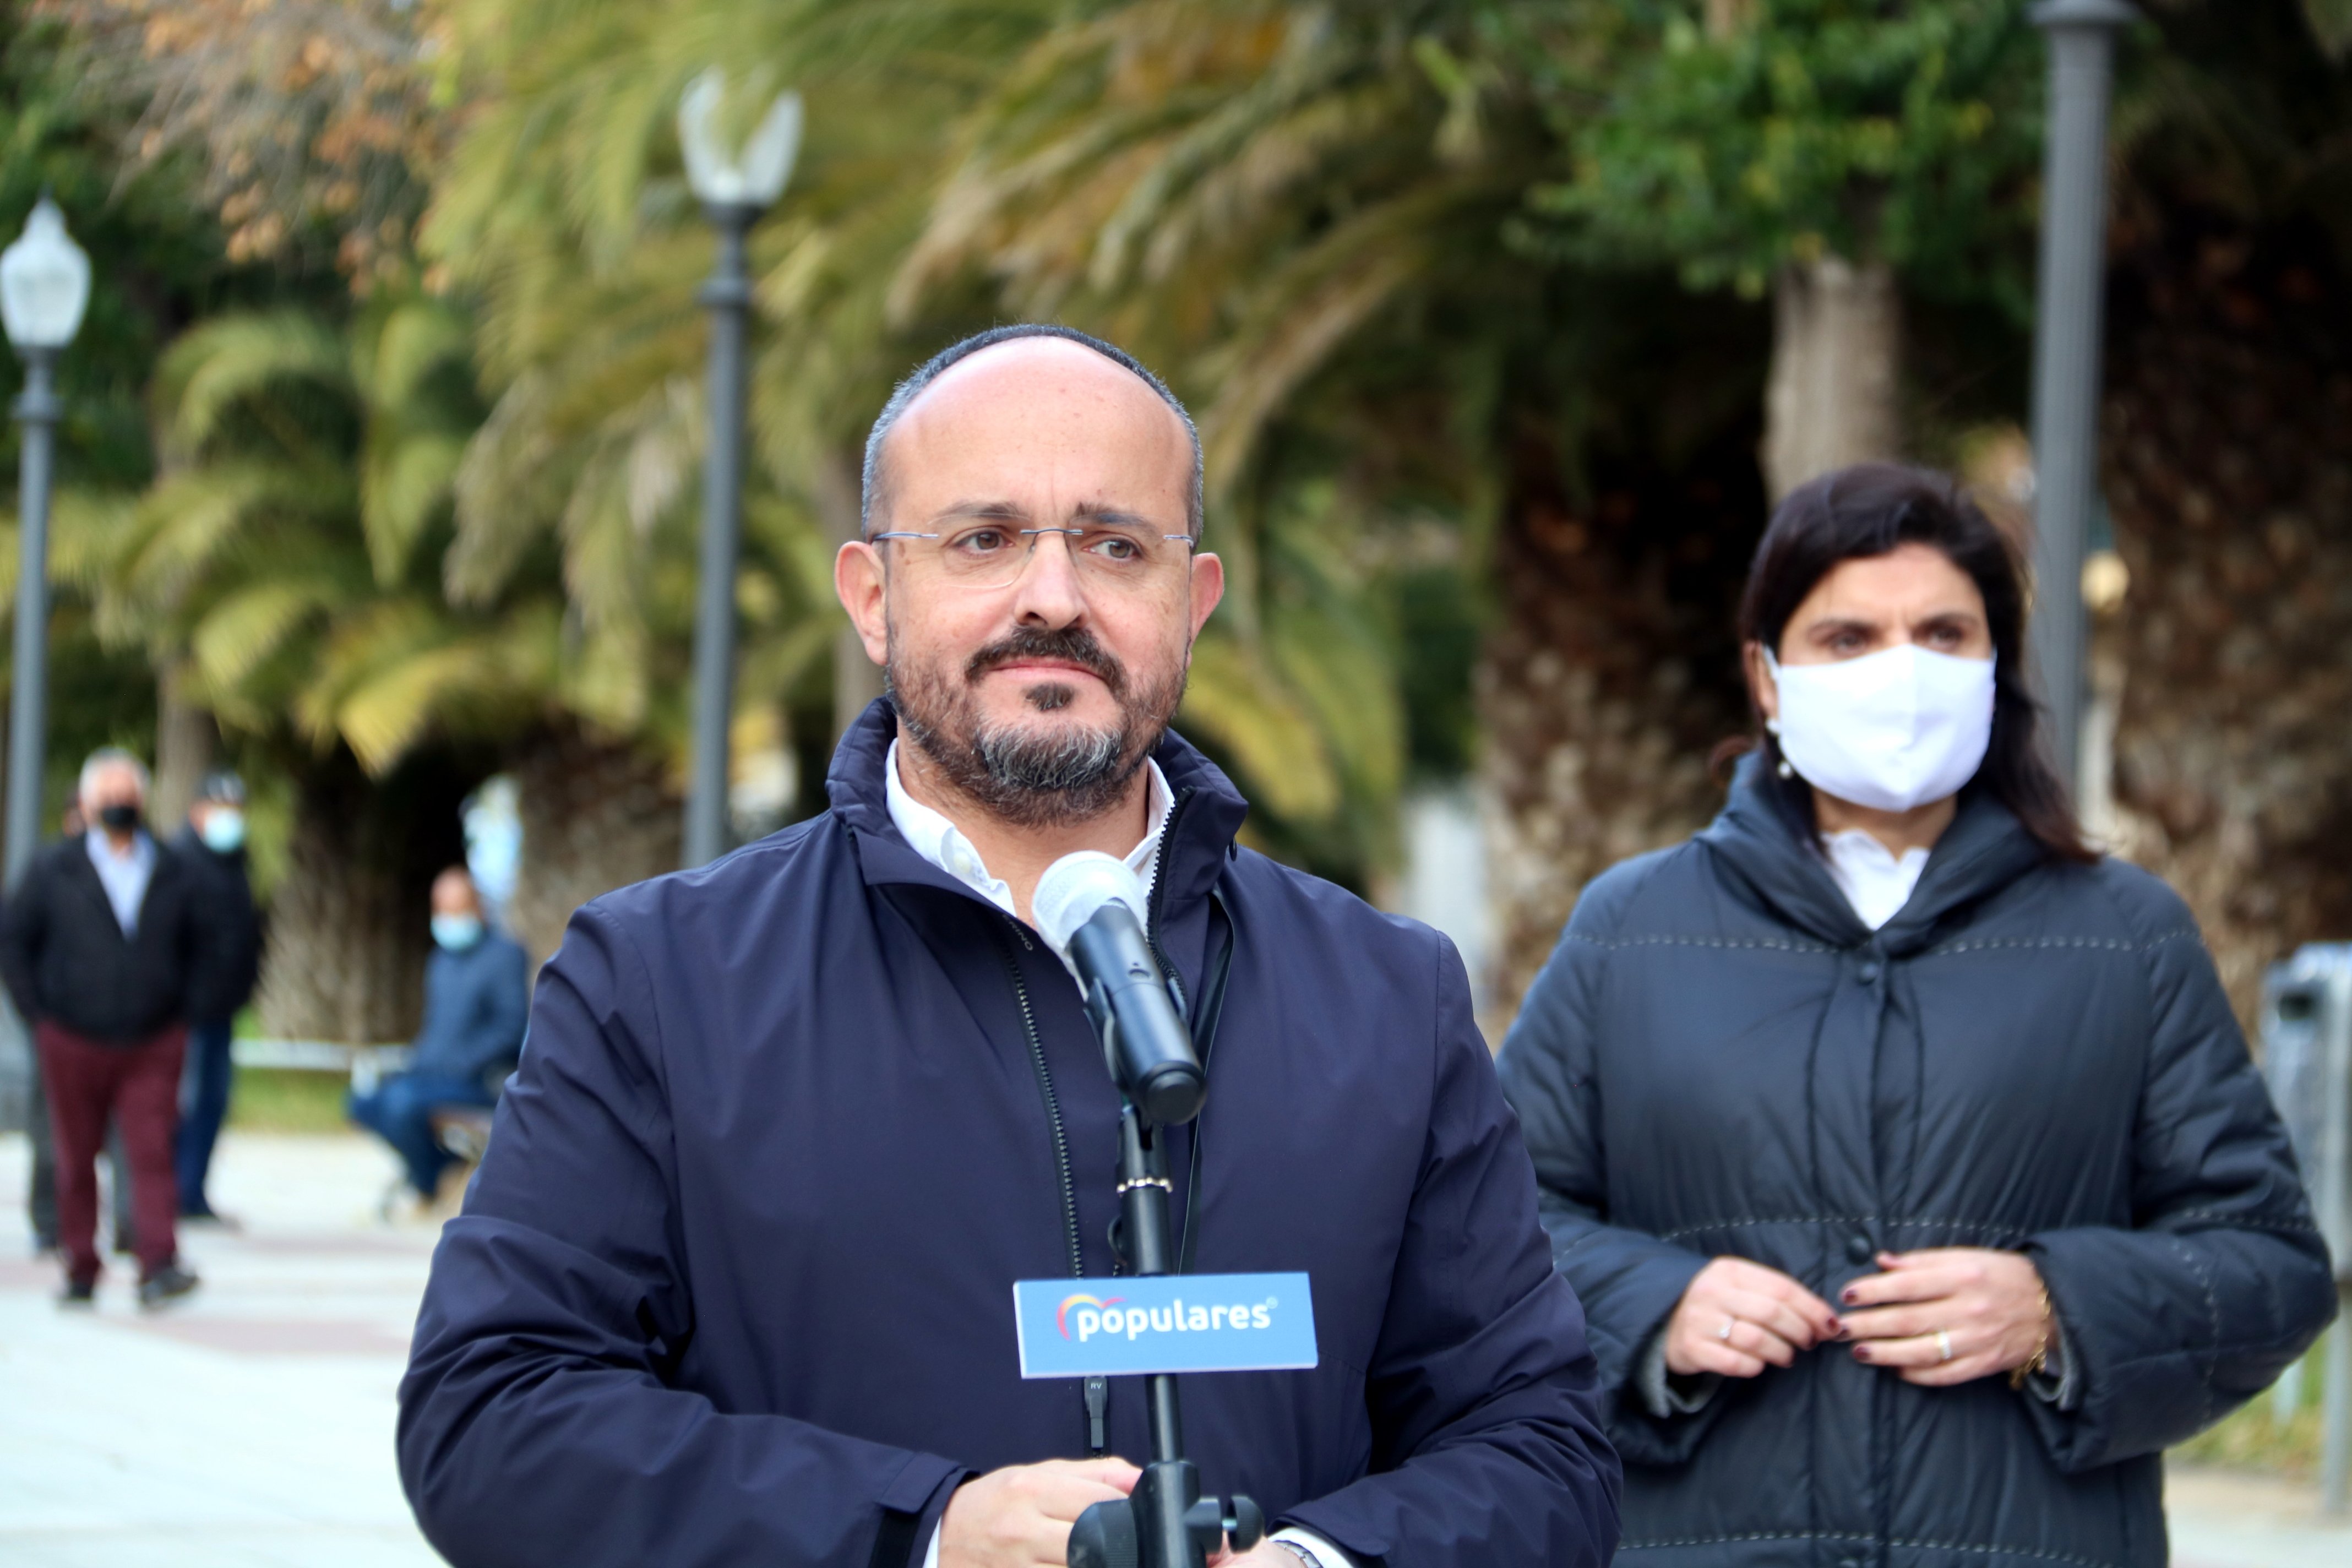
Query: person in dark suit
(103, 949)
(212, 843)
(477, 998)
(734, 1282)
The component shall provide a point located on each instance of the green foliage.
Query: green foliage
(1293, 212)
(155, 261)
(565, 208)
(1791, 129)
(282, 560)
(287, 1100)
(1242, 191)
(156, 254)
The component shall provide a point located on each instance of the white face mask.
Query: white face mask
(1889, 730)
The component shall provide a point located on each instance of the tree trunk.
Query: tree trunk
(186, 743)
(596, 815)
(1614, 672)
(1834, 394)
(344, 959)
(2229, 476)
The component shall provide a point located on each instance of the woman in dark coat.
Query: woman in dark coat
(1904, 1153)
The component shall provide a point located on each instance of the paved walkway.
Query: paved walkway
(252, 1426)
(2223, 1518)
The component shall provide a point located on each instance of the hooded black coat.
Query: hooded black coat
(1721, 1058)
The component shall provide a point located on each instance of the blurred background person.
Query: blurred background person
(101, 947)
(212, 843)
(476, 999)
(1903, 1151)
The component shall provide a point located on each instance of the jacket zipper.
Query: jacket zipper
(1094, 1391)
(1053, 1105)
(1158, 897)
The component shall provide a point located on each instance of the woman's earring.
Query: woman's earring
(1787, 771)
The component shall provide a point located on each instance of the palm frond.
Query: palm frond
(236, 359)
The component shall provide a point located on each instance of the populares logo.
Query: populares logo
(1090, 1315)
(1062, 1313)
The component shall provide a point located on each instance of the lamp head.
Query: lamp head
(755, 174)
(44, 282)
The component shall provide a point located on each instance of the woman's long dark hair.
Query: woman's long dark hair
(1869, 510)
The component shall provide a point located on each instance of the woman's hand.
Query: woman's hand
(1737, 1316)
(1989, 1305)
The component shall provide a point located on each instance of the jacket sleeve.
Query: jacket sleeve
(1488, 1448)
(240, 942)
(24, 925)
(539, 1419)
(2222, 1280)
(1628, 1280)
(209, 943)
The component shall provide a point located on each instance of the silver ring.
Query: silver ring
(1724, 1333)
(1943, 1345)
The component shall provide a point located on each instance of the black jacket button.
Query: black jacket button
(1869, 973)
(1858, 1247)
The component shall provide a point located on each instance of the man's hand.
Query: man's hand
(1022, 1515)
(1988, 1304)
(1738, 1316)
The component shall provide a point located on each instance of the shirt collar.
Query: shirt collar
(943, 844)
(1874, 880)
(103, 853)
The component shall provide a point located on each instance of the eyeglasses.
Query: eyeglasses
(992, 555)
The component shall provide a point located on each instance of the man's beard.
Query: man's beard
(1047, 778)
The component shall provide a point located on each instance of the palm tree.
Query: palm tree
(2227, 365)
(283, 568)
(1306, 214)
(564, 210)
(563, 206)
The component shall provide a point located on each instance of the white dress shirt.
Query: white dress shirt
(943, 844)
(124, 873)
(1874, 880)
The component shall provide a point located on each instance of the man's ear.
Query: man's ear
(862, 585)
(1208, 589)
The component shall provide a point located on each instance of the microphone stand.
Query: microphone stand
(1165, 1523)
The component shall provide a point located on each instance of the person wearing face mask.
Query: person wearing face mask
(104, 952)
(213, 843)
(476, 997)
(1903, 1150)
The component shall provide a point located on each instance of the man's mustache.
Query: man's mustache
(1071, 644)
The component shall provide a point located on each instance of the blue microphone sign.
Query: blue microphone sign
(1184, 1323)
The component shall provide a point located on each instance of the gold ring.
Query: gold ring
(1943, 1344)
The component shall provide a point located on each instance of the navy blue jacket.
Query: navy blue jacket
(475, 1004)
(2032, 1055)
(734, 1285)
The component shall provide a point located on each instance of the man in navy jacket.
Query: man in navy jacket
(734, 1284)
(477, 995)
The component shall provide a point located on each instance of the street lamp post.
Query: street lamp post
(2066, 333)
(44, 289)
(734, 189)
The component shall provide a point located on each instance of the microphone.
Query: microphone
(1090, 907)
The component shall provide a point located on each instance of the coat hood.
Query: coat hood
(1770, 849)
